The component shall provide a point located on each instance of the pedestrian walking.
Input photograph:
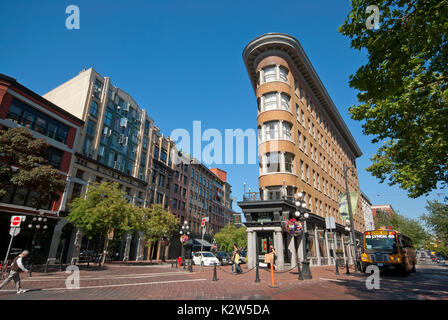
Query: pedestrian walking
(16, 267)
(274, 253)
(236, 259)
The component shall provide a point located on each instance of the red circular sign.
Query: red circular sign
(16, 221)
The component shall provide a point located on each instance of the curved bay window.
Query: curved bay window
(289, 162)
(273, 162)
(269, 101)
(272, 132)
(277, 162)
(284, 99)
(273, 73)
(274, 101)
(269, 74)
(275, 130)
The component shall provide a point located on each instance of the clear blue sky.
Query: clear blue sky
(181, 60)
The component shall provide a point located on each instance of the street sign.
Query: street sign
(330, 223)
(16, 220)
(204, 220)
(14, 231)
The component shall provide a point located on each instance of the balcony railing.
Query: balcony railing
(256, 196)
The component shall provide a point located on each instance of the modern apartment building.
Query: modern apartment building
(303, 142)
(113, 146)
(21, 107)
(120, 143)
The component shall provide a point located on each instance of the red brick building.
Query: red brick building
(21, 107)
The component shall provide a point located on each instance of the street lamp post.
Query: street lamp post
(352, 225)
(302, 214)
(347, 228)
(184, 232)
(38, 223)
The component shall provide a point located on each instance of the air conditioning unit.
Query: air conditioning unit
(107, 131)
(125, 141)
(126, 106)
(101, 151)
(123, 122)
(121, 139)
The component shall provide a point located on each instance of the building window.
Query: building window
(283, 74)
(93, 109)
(285, 101)
(87, 147)
(270, 101)
(91, 128)
(55, 157)
(271, 130)
(302, 171)
(289, 162)
(270, 74)
(287, 130)
(273, 162)
(31, 118)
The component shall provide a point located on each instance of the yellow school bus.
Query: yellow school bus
(389, 250)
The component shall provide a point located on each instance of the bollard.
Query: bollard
(347, 271)
(190, 266)
(46, 267)
(30, 271)
(60, 265)
(336, 263)
(272, 285)
(298, 270)
(214, 273)
(257, 275)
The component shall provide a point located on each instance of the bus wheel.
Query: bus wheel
(401, 271)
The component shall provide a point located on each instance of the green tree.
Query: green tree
(412, 228)
(24, 165)
(436, 219)
(403, 90)
(104, 209)
(155, 222)
(229, 235)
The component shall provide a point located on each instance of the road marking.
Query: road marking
(431, 291)
(111, 277)
(335, 280)
(124, 285)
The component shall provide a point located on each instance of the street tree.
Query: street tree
(403, 89)
(24, 164)
(436, 219)
(229, 235)
(413, 228)
(102, 210)
(155, 223)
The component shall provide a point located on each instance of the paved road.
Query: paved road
(137, 282)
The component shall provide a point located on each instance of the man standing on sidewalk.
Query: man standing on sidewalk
(17, 265)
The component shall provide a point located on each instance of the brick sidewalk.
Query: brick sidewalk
(142, 281)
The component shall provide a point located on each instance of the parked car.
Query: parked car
(440, 260)
(206, 258)
(224, 258)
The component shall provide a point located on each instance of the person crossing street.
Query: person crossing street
(16, 267)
